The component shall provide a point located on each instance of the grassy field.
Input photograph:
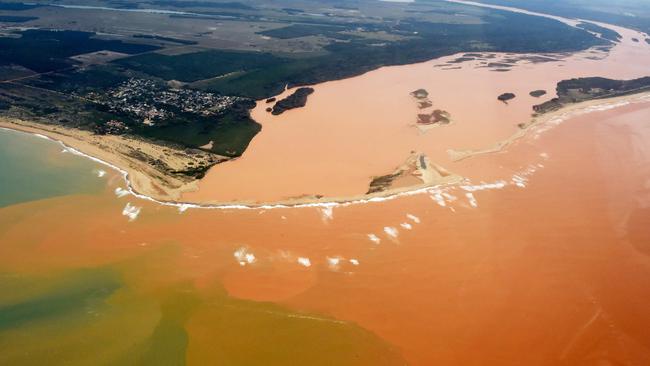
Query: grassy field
(45, 50)
(251, 49)
(259, 75)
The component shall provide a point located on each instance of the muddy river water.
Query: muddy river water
(541, 257)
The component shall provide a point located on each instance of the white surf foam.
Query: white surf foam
(244, 256)
(413, 218)
(391, 231)
(304, 261)
(334, 262)
(130, 211)
(374, 238)
(121, 192)
(471, 199)
(327, 212)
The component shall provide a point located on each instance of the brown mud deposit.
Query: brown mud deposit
(436, 117)
(548, 268)
(416, 172)
(356, 129)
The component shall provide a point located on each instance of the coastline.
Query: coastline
(117, 152)
(145, 182)
(553, 118)
(147, 188)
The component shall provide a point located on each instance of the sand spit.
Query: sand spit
(570, 243)
(145, 183)
(148, 187)
(545, 121)
(123, 154)
(357, 129)
(370, 123)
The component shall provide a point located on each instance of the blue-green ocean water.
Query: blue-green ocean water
(33, 168)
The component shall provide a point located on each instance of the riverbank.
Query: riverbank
(144, 180)
(148, 183)
(541, 122)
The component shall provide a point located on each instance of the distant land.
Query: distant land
(184, 75)
(630, 14)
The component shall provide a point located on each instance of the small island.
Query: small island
(505, 97)
(583, 89)
(537, 93)
(422, 97)
(420, 94)
(296, 100)
(438, 116)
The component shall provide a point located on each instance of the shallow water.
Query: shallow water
(34, 169)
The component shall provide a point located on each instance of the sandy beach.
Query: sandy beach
(126, 153)
(147, 181)
(351, 231)
(356, 138)
(356, 129)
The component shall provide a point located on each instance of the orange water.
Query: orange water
(550, 273)
(549, 269)
(357, 128)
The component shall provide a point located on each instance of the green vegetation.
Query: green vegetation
(260, 75)
(229, 133)
(200, 65)
(45, 50)
(583, 89)
(202, 4)
(15, 19)
(537, 93)
(505, 97)
(347, 45)
(80, 82)
(297, 99)
(18, 6)
(304, 30)
(166, 39)
(51, 108)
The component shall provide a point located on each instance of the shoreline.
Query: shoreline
(553, 118)
(47, 134)
(114, 152)
(147, 187)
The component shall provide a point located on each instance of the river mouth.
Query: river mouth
(420, 278)
(362, 137)
(539, 256)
